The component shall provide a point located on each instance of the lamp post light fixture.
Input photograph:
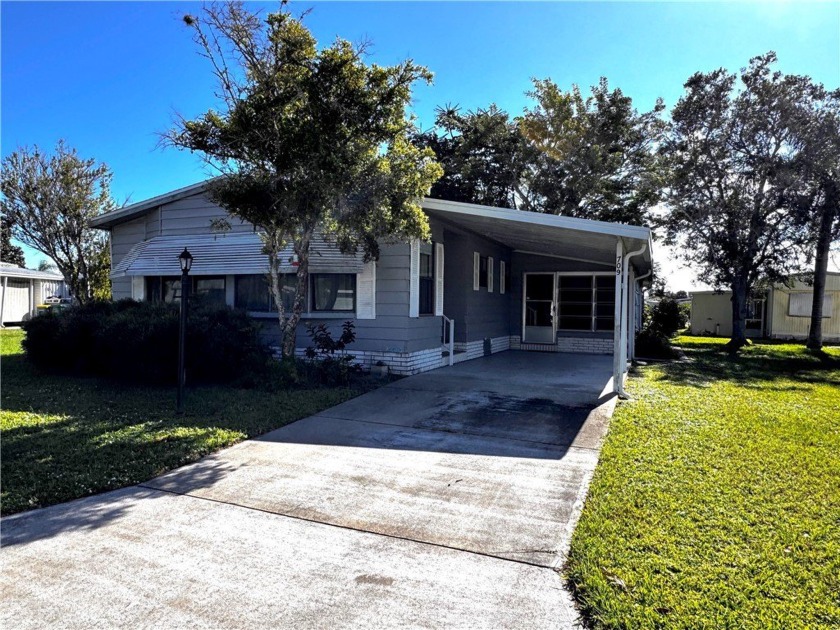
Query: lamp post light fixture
(186, 260)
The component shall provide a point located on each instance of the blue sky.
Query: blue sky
(108, 76)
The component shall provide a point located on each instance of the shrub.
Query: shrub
(328, 362)
(685, 314)
(662, 321)
(666, 318)
(651, 344)
(138, 341)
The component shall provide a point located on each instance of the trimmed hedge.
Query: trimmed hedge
(138, 342)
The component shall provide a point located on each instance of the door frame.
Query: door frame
(553, 275)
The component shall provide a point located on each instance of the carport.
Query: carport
(547, 253)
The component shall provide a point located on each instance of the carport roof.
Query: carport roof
(546, 234)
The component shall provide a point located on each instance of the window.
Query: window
(253, 292)
(210, 290)
(334, 292)
(483, 269)
(427, 284)
(168, 289)
(162, 289)
(575, 302)
(604, 302)
(799, 304)
(586, 302)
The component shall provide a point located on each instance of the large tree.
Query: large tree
(595, 154)
(49, 201)
(9, 252)
(485, 157)
(731, 160)
(815, 193)
(308, 139)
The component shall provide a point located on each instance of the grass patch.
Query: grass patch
(716, 502)
(69, 437)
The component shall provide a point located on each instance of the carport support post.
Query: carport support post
(618, 369)
(633, 314)
(625, 316)
(3, 302)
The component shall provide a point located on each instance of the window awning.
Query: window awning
(224, 254)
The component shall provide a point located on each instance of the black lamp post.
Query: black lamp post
(186, 260)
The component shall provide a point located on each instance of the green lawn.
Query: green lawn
(716, 502)
(66, 437)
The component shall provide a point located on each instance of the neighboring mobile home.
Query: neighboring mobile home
(780, 312)
(23, 290)
(491, 279)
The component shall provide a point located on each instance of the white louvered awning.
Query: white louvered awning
(225, 254)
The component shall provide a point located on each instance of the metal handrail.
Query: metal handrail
(450, 325)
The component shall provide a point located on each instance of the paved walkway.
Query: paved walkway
(445, 499)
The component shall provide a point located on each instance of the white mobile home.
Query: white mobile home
(780, 312)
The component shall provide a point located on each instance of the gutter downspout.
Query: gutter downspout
(625, 290)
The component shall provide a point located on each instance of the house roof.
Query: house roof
(530, 232)
(10, 270)
(110, 219)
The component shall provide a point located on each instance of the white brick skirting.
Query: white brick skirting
(475, 349)
(407, 363)
(402, 363)
(584, 345)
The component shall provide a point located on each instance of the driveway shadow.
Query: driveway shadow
(94, 512)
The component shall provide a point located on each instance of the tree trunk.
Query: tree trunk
(740, 294)
(290, 330)
(273, 247)
(815, 335)
(74, 283)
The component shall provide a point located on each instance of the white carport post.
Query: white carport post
(625, 315)
(618, 368)
(633, 311)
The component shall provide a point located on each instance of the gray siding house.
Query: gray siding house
(490, 280)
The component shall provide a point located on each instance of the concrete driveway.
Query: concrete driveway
(445, 499)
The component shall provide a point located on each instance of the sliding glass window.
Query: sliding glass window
(334, 292)
(253, 292)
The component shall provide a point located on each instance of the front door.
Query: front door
(540, 308)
